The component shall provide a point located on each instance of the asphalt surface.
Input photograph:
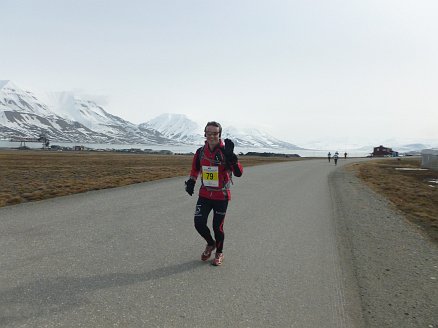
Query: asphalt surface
(130, 257)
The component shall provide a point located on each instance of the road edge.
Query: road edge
(393, 264)
(353, 303)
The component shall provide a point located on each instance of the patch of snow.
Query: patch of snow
(410, 169)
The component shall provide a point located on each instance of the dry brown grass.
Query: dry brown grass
(409, 191)
(35, 175)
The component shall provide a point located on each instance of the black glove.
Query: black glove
(229, 148)
(190, 186)
(228, 151)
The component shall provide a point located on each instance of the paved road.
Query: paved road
(130, 257)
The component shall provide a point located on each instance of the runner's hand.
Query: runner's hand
(190, 186)
(229, 147)
(229, 151)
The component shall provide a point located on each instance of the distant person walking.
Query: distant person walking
(335, 158)
(329, 155)
(345, 155)
(216, 162)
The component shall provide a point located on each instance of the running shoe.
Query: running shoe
(218, 258)
(207, 253)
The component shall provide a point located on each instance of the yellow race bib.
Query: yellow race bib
(210, 176)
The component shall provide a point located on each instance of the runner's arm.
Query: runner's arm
(195, 167)
(236, 167)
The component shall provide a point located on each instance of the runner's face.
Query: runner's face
(212, 135)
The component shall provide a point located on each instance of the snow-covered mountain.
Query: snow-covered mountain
(177, 127)
(251, 137)
(22, 114)
(180, 127)
(94, 117)
(416, 147)
(401, 146)
(67, 117)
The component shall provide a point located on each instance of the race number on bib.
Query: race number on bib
(210, 176)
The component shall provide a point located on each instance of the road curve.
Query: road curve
(130, 257)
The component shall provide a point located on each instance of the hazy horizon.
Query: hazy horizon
(349, 72)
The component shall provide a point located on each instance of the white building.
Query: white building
(429, 159)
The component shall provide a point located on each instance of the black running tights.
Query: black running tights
(203, 209)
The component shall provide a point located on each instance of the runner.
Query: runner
(335, 158)
(216, 162)
(329, 156)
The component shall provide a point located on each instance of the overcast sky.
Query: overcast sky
(352, 70)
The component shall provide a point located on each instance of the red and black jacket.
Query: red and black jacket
(214, 164)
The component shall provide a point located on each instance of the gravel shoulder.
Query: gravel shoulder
(394, 263)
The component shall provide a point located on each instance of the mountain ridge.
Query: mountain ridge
(66, 117)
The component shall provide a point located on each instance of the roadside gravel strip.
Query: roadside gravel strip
(394, 263)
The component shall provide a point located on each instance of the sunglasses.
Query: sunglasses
(211, 134)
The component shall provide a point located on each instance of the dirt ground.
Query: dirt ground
(409, 188)
(35, 174)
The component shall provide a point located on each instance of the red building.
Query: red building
(382, 151)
